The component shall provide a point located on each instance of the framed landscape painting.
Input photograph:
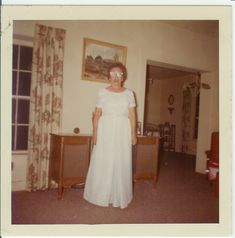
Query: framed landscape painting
(98, 56)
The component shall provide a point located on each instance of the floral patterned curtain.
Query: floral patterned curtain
(45, 102)
(190, 93)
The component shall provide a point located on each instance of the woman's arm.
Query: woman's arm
(132, 117)
(95, 119)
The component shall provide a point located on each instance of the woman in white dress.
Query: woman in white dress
(109, 178)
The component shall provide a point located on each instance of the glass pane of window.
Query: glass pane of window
(12, 137)
(26, 58)
(15, 56)
(13, 110)
(23, 111)
(14, 82)
(24, 84)
(22, 138)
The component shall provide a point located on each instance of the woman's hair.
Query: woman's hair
(120, 66)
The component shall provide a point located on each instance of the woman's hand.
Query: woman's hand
(132, 117)
(94, 139)
(95, 118)
(134, 140)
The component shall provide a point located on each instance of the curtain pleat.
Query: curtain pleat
(45, 101)
(190, 93)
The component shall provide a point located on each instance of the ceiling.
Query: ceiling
(206, 27)
(160, 73)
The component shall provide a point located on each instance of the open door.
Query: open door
(165, 98)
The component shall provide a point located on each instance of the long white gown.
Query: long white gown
(109, 177)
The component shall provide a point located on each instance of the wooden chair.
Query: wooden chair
(167, 134)
(213, 162)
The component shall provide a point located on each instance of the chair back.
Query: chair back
(214, 157)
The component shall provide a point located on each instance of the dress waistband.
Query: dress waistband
(114, 115)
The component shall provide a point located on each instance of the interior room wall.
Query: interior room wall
(145, 40)
(153, 105)
(158, 105)
(214, 84)
(174, 86)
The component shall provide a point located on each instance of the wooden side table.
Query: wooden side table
(69, 160)
(145, 158)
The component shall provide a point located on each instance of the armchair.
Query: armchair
(213, 162)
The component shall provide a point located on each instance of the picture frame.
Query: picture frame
(98, 56)
(171, 99)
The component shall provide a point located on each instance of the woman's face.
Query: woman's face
(116, 76)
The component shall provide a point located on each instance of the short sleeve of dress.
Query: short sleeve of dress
(98, 100)
(131, 99)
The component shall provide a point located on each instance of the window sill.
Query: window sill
(19, 152)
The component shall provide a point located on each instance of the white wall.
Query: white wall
(145, 40)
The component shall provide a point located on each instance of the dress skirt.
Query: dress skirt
(109, 177)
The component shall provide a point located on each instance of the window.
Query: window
(21, 81)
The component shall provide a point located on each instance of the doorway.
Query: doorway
(172, 105)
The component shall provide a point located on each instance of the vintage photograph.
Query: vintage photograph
(148, 145)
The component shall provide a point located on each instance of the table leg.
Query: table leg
(60, 190)
(155, 181)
